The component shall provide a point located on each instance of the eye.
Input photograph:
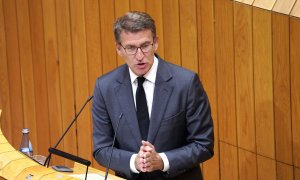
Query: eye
(145, 45)
(130, 48)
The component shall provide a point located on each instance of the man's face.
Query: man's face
(139, 62)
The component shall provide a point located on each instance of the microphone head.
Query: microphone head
(91, 97)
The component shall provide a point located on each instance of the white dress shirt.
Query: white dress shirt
(149, 85)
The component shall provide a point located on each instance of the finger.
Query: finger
(148, 146)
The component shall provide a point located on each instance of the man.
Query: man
(163, 123)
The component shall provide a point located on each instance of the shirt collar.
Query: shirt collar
(150, 75)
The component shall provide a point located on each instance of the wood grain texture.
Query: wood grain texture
(282, 106)
(263, 82)
(297, 173)
(266, 168)
(26, 64)
(228, 161)
(93, 42)
(172, 31)
(225, 76)
(53, 74)
(80, 67)
(188, 34)
(295, 86)
(284, 171)
(207, 73)
(39, 76)
(244, 77)
(109, 57)
(14, 72)
(121, 7)
(247, 57)
(4, 80)
(65, 60)
(155, 10)
(247, 165)
(137, 5)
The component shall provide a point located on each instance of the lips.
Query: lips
(141, 65)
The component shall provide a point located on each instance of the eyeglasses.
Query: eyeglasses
(132, 50)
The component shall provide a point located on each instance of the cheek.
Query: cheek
(128, 61)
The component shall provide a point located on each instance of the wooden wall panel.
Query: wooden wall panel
(155, 9)
(93, 42)
(26, 64)
(14, 74)
(39, 75)
(266, 168)
(263, 82)
(225, 76)
(52, 70)
(66, 80)
(4, 80)
(121, 7)
(52, 51)
(172, 31)
(188, 34)
(228, 161)
(284, 171)
(244, 77)
(247, 165)
(295, 86)
(281, 74)
(93, 47)
(137, 5)
(80, 77)
(109, 59)
(297, 173)
(207, 73)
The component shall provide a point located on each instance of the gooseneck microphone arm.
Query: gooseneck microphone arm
(47, 161)
(112, 147)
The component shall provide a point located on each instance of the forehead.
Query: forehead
(136, 38)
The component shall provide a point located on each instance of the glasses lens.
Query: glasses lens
(131, 50)
(146, 48)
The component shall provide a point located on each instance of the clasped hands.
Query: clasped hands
(148, 159)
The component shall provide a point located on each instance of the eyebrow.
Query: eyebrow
(130, 45)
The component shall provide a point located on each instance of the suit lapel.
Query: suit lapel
(162, 93)
(124, 94)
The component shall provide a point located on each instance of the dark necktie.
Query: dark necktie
(142, 108)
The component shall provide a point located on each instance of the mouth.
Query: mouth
(141, 65)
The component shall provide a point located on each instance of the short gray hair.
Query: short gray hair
(133, 22)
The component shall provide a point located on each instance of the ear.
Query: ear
(119, 49)
(155, 43)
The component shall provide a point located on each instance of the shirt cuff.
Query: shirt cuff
(132, 164)
(165, 161)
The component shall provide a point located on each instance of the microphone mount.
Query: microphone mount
(64, 154)
(112, 147)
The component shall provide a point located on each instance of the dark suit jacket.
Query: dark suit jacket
(180, 124)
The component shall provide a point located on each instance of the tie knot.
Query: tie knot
(140, 80)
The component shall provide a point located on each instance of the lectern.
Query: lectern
(15, 165)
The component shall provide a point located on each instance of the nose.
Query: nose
(139, 54)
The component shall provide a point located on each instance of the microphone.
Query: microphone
(47, 161)
(112, 147)
(70, 156)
